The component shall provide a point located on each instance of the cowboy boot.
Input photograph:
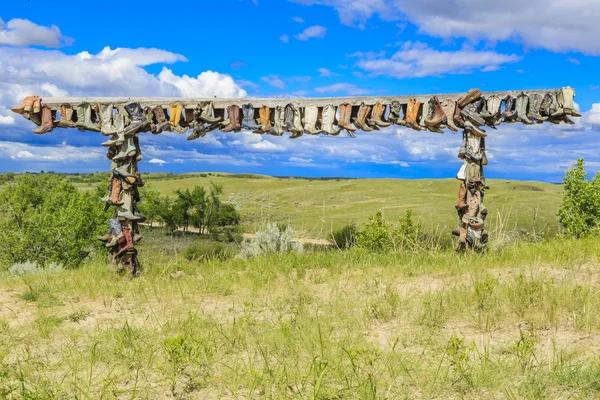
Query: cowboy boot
(566, 104)
(264, 120)
(471, 112)
(449, 108)
(233, 113)
(162, 123)
(134, 178)
(474, 129)
(138, 149)
(26, 106)
(105, 111)
(84, 118)
(461, 203)
(471, 96)
(510, 112)
(426, 112)
(438, 115)
(297, 119)
(377, 116)
(462, 238)
(463, 146)
(344, 121)
(115, 240)
(198, 128)
(288, 118)
(66, 116)
(395, 110)
(361, 120)
(207, 113)
(521, 107)
(535, 104)
(115, 193)
(125, 212)
(492, 113)
(175, 118)
(137, 119)
(127, 149)
(412, 112)
(47, 124)
(328, 120)
(311, 115)
(248, 112)
(279, 122)
(128, 241)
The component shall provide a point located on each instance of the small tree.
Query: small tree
(579, 213)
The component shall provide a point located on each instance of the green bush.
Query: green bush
(345, 238)
(379, 235)
(579, 213)
(209, 251)
(44, 219)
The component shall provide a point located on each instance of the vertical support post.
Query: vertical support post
(472, 213)
(125, 179)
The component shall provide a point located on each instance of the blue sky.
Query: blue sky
(302, 48)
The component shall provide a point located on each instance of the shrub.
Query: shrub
(379, 235)
(345, 238)
(46, 219)
(579, 213)
(208, 251)
(271, 240)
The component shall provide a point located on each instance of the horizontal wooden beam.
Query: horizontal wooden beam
(221, 103)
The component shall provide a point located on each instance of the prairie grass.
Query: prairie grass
(519, 321)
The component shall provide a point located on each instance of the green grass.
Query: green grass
(316, 207)
(520, 321)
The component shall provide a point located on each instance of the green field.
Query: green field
(519, 321)
(316, 207)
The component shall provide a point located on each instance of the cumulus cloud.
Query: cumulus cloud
(347, 88)
(357, 12)
(419, 60)
(59, 154)
(315, 31)
(298, 19)
(158, 161)
(22, 32)
(326, 73)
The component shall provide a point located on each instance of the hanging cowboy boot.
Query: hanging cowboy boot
(125, 212)
(344, 121)
(127, 149)
(437, 114)
(84, 118)
(175, 118)
(395, 111)
(288, 118)
(521, 107)
(471, 96)
(565, 102)
(207, 113)
(449, 108)
(248, 112)
(279, 123)
(471, 112)
(535, 104)
(329, 120)
(361, 120)
(128, 241)
(162, 123)
(233, 113)
(510, 112)
(26, 106)
(474, 129)
(463, 146)
(35, 115)
(461, 203)
(492, 114)
(297, 127)
(412, 114)
(138, 149)
(264, 120)
(198, 128)
(311, 115)
(137, 119)
(47, 124)
(105, 111)
(114, 199)
(66, 116)
(377, 116)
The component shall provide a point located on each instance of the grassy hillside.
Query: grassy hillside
(315, 207)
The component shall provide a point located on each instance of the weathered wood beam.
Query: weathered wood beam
(221, 103)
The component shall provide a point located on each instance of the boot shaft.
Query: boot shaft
(46, 125)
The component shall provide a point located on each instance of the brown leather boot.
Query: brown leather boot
(461, 203)
(233, 113)
(66, 116)
(128, 240)
(412, 112)
(471, 96)
(449, 108)
(377, 116)
(439, 116)
(115, 192)
(462, 238)
(361, 120)
(26, 105)
(46, 125)
(264, 120)
(345, 114)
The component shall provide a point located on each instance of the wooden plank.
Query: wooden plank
(221, 103)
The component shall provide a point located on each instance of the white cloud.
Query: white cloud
(158, 162)
(347, 88)
(58, 154)
(315, 31)
(22, 32)
(274, 81)
(300, 160)
(298, 19)
(284, 38)
(418, 60)
(326, 73)
(6, 120)
(357, 12)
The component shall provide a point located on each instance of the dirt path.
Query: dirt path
(321, 242)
